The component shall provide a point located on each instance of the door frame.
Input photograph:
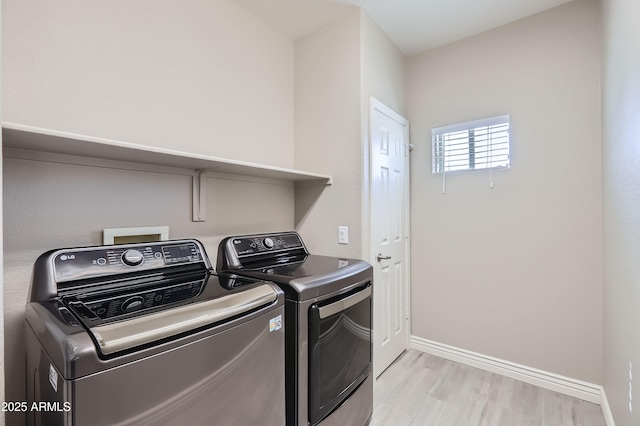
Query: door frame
(376, 105)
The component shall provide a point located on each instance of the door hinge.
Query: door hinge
(408, 147)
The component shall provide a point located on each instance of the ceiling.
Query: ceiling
(414, 25)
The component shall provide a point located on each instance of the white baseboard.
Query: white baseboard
(576, 388)
(555, 382)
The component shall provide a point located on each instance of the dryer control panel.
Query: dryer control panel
(250, 245)
(244, 250)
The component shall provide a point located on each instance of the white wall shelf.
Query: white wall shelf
(45, 140)
(52, 141)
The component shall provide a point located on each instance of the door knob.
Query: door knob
(380, 257)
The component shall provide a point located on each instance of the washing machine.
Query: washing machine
(147, 334)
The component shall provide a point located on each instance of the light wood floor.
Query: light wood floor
(422, 389)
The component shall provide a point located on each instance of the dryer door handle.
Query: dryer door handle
(342, 304)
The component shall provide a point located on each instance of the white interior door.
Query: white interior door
(389, 234)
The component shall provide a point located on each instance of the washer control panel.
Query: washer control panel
(103, 308)
(89, 262)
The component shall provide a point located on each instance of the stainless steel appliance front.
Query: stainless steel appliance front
(328, 305)
(339, 349)
(161, 342)
(354, 406)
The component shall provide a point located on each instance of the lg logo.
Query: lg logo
(67, 257)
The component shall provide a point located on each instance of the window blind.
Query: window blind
(479, 144)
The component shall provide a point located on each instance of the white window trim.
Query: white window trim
(463, 127)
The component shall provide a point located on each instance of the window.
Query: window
(479, 144)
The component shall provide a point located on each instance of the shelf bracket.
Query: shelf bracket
(199, 199)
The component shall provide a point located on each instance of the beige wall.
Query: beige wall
(49, 204)
(2, 379)
(337, 69)
(621, 190)
(199, 76)
(514, 272)
(383, 77)
(383, 68)
(203, 77)
(209, 77)
(327, 134)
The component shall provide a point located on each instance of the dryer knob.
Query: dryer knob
(268, 243)
(132, 257)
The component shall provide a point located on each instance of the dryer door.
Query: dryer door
(340, 350)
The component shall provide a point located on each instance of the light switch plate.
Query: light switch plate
(343, 235)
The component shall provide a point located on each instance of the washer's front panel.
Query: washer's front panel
(232, 378)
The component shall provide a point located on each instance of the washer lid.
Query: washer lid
(315, 276)
(123, 335)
